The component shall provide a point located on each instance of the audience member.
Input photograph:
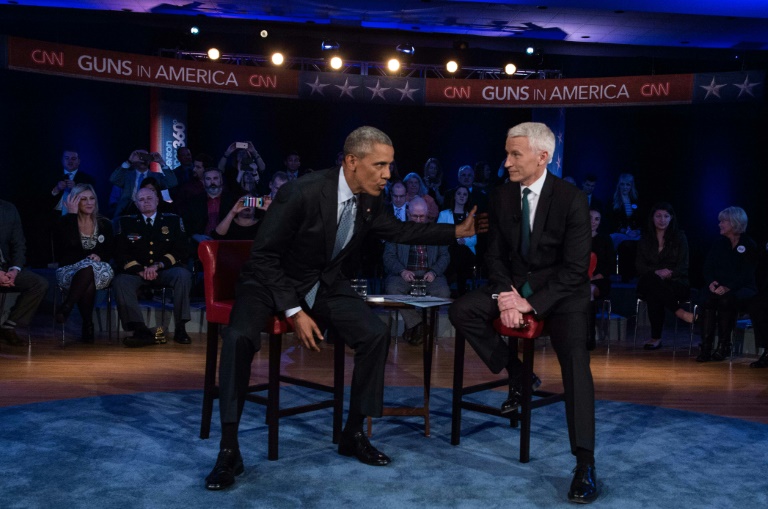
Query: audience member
(414, 187)
(194, 187)
(292, 165)
(14, 278)
(238, 164)
(477, 195)
(185, 170)
(462, 252)
(588, 186)
(276, 182)
(206, 211)
(729, 273)
(242, 222)
(626, 221)
(399, 206)
(71, 176)
(433, 179)
(484, 177)
(127, 178)
(84, 246)
(662, 264)
(758, 309)
(602, 247)
(404, 264)
(154, 185)
(151, 249)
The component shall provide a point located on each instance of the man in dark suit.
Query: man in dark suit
(541, 269)
(588, 186)
(205, 212)
(298, 266)
(14, 278)
(398, 207)
(151, 251)
(126, 179)
(404, 263)
(71, 176)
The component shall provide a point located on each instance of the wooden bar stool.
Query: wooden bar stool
(523, 414)
(222, 261)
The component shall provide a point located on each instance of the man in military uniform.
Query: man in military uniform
(151, 249)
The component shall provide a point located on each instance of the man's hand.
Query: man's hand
(5, 280)
(513, 300)
(407, 275)
(429, 276)
(306, 330)
(134, 158)
(473, 224)
(156, 157)
(512, 318)
(149, 273)
(664, 273)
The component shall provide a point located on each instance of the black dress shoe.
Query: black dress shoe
(229, 464)
(515, 396)
(356, 444)
(762, 362)
(180, 335)
(652, 345)
(141, 337)
(704, 357)
(415, 335)
(584, 485)
(10, 337)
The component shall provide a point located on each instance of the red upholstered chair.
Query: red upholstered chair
(221, 261)
(527, 336)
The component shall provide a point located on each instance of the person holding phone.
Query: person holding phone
(242, 221)
(71, 176)
(127, 178)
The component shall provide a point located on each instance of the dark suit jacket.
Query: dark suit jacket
(196, 215)
(293, 247)
(80, 178)
(69, 248)
(139, 245)
(560, 246)
(13, 247)
(125, 179)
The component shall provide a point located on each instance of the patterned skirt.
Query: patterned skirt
(102, 273)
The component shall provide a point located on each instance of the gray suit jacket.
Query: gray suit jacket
(396, 258)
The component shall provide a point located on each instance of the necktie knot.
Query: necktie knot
(69, 175)
(149, 221)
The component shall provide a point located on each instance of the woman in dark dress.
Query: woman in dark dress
(84, 244)
(462, 252)
(662, 264)
(729, 272)
(602, 246)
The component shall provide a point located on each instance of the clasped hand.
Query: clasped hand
(512, 307)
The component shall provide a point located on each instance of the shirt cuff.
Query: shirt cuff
(290, 312)
(15, 267)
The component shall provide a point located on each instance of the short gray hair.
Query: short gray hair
(540, 137)
(417, 202)
(360, 142)
(736, 216)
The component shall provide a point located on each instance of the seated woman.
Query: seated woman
(238, 164)
(602, 246)
(84, 244)
(414, 186)
(626, 224)
(242, 222)
(433, 179)
(462, 253)
(729, 272)
(662, 264)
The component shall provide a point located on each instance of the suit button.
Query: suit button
(151, 260)
(151, 243)
(151, 252)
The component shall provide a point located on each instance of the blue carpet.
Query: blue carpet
(143, 451)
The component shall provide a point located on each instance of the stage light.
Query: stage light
(277, 58)
(264, 34)
(406, 49)
(214, 54)
(510, 69)
(393, 65)
(452, 66)
(530, 50)
(194, 30)
(329, 45)
(336, 63)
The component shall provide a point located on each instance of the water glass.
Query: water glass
(360, 286)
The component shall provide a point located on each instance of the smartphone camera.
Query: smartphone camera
(241, 144)
(253, 201)
(145, 158)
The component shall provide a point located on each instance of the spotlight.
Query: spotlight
(336, 63)
(214, 54)
(406, 49)
(510, 69)
(194, 30)
(452, 66)
(277, 58)
(393, 65)
(329, 45)
(264, 34)
(530, 50)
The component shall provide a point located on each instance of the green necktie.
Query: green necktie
(525, 227)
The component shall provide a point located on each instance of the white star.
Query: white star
(712, 89)
(317, 86)
(746, 87)
(346, 88)
(378, 90)
(407, 91)
(560, 137)
(558, 162)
